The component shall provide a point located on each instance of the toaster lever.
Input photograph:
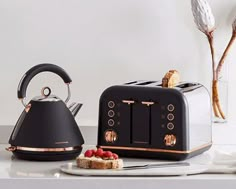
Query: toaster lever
(128, 101)
(147, 103)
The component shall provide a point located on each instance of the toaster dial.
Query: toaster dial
(170, 107)
(170, 140)
(111, 104)
(111, 113)
(170, 126)
(110, 136)
(170, 117)
(111, 122)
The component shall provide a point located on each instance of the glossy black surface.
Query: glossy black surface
(139, 125)
(47, 125)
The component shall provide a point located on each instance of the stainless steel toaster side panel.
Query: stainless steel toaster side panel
(199, 113)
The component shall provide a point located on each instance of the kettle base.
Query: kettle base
(47, 156)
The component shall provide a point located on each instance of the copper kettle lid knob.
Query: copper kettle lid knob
(46, 91)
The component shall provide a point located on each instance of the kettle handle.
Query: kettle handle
(25, 80)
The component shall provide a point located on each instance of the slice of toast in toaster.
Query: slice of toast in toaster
(171, 79)
(98, 163)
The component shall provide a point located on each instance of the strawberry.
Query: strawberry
(107, 154)
(94, 151)
(88, 153)
(99, 153)
(115, 156)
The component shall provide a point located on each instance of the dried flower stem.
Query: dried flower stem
(214, 91)
(214, 88)
(215, 95)
(210, 39)
(222, 60)
(216, 100)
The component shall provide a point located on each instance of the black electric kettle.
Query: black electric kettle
(46, 129)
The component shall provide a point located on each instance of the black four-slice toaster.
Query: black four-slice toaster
(144, 119)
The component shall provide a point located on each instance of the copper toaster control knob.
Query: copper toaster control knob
(110, 136)
(170, 140)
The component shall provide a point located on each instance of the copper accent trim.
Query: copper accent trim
(170, 140)
(128, 101)
(27, 108)
(29, 149)
(147, 103)
(11, 149)
(156, 150)
(110, 136)
(63, 142)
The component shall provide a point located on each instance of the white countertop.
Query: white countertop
(14, 172)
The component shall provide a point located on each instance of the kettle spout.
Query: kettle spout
(74, 108)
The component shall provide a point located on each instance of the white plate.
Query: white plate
(72, 169)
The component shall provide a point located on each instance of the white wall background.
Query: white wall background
(105, 42)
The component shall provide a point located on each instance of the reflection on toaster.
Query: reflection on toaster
(143, 119)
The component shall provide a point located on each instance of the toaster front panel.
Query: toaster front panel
(143, 117)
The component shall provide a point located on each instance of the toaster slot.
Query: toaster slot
(141, 123)
(131, 83)
(187, 87)
(126, 120)
(146, 83)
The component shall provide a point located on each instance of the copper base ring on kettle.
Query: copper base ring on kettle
(30, 149)
(45, 154)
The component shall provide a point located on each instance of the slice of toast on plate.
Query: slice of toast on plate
(98, 163)
(99, 159)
